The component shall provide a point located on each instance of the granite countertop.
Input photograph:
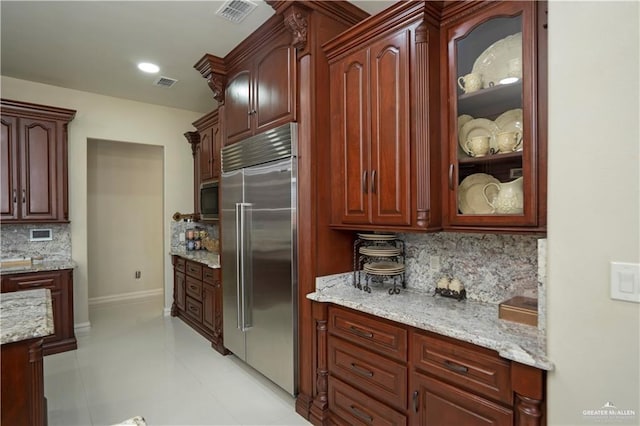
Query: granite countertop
(211, 259)
(25, 315)
(40, 266)
(469, 321)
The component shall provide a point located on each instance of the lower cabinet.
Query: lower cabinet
(197, 299)
(60, 283)
(379, 372)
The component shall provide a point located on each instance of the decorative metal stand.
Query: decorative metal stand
(445, 292)
(359, 259)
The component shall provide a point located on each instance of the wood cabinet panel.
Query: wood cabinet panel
(205, 156)
(481, 371)
(238, 108)
(356, 408)
(374, 334)
(197, 299)
(9, 177)
(382, 378)
(34, 162)
(438, 403)
(60, 283)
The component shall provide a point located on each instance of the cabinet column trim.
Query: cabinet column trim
(320, 408)
(421, 81)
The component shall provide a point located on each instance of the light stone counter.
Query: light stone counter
(25, 315)
(210, 259)
(40, 266)
(469, 321)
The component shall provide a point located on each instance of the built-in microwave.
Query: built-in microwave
(209, 201)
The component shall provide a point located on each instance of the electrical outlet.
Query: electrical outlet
(434, 263)
(181, 237)
(138, 275)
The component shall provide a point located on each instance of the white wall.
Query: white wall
(593, 208)
(125, 225)
(107, 118)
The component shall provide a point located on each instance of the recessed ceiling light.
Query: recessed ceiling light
(148, 67)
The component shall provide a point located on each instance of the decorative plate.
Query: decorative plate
(383, 268)
(463, 119)
(377, 237)
(493, 63)
(380, 251)
(478, 127)
(470, 194)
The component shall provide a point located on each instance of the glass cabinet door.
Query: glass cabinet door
(492, 149)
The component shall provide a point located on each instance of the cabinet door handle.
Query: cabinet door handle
(416, 401)
(362, 371)
(451, 176)
(24, 196)
(364, 181)
(455, 367)
(373, 182)
(15, 195)
(361, 333)
(361, 414)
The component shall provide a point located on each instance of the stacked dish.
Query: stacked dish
(383, 268)
(377, 237)
(468, 127)
(380, 251)
(471, 194)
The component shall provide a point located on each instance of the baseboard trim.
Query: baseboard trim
(82, 327)
(125, 297)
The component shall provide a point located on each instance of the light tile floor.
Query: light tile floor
(134, 362)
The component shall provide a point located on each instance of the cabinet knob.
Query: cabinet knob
(416, 401)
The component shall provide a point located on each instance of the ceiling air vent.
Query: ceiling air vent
(165, 82)
(236, 10)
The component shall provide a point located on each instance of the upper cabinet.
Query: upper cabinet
(33, 167)
(384, 147)
(208, 154)
(260, 91)
(494, 117)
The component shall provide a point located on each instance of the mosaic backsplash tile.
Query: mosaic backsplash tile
(15, 242)
(492, 267)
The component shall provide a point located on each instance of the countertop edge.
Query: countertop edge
(41, 266)
(210, 259)
(506, 350)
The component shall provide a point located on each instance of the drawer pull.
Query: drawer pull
(455, 367)
(361, 333)
(361, 414)
(416, 401)
(362, 371)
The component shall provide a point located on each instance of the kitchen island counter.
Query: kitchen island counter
(210, 259)
(468, 321)
(25, 315)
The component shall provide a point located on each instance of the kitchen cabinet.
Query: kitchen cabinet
(260, 91)
(494, 117)
(33, 163)
(384, 147)
(375, 371)
(60, 283)
(197, 299)
(22, 398)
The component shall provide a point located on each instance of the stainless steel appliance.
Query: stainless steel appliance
(258, 231)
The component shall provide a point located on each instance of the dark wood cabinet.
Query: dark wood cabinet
(382, 97)
(34, 175)
(197, 299)
(503, 46)
(22, 397)
(260, 92)
(60, 283)
(206, 144)
(375, 371)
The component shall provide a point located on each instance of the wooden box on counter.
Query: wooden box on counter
(519, 309)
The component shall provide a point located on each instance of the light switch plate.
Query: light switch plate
(625, 281)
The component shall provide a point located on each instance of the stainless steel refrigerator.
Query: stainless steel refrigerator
(258, 232)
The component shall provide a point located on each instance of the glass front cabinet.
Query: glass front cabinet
(495, 122)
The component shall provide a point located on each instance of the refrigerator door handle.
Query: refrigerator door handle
(239, 266)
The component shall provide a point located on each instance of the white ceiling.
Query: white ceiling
(94, 46)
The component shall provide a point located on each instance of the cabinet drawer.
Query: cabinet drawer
(356, 408)
(479, 370)
(370, 373)
(18, 282)
(194, 309)
(210, 275)
(194, 289)
(374, 334)
(194, 269)
(179, 263)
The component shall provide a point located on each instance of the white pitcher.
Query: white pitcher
(510, 198)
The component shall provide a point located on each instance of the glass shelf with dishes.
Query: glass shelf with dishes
(490, 132)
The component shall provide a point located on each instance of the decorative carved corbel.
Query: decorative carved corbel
(213, 69)
(194, 140)
(217, 85)
(296, 19)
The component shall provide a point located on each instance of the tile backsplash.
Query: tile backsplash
(492, 267)
(15, 242)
